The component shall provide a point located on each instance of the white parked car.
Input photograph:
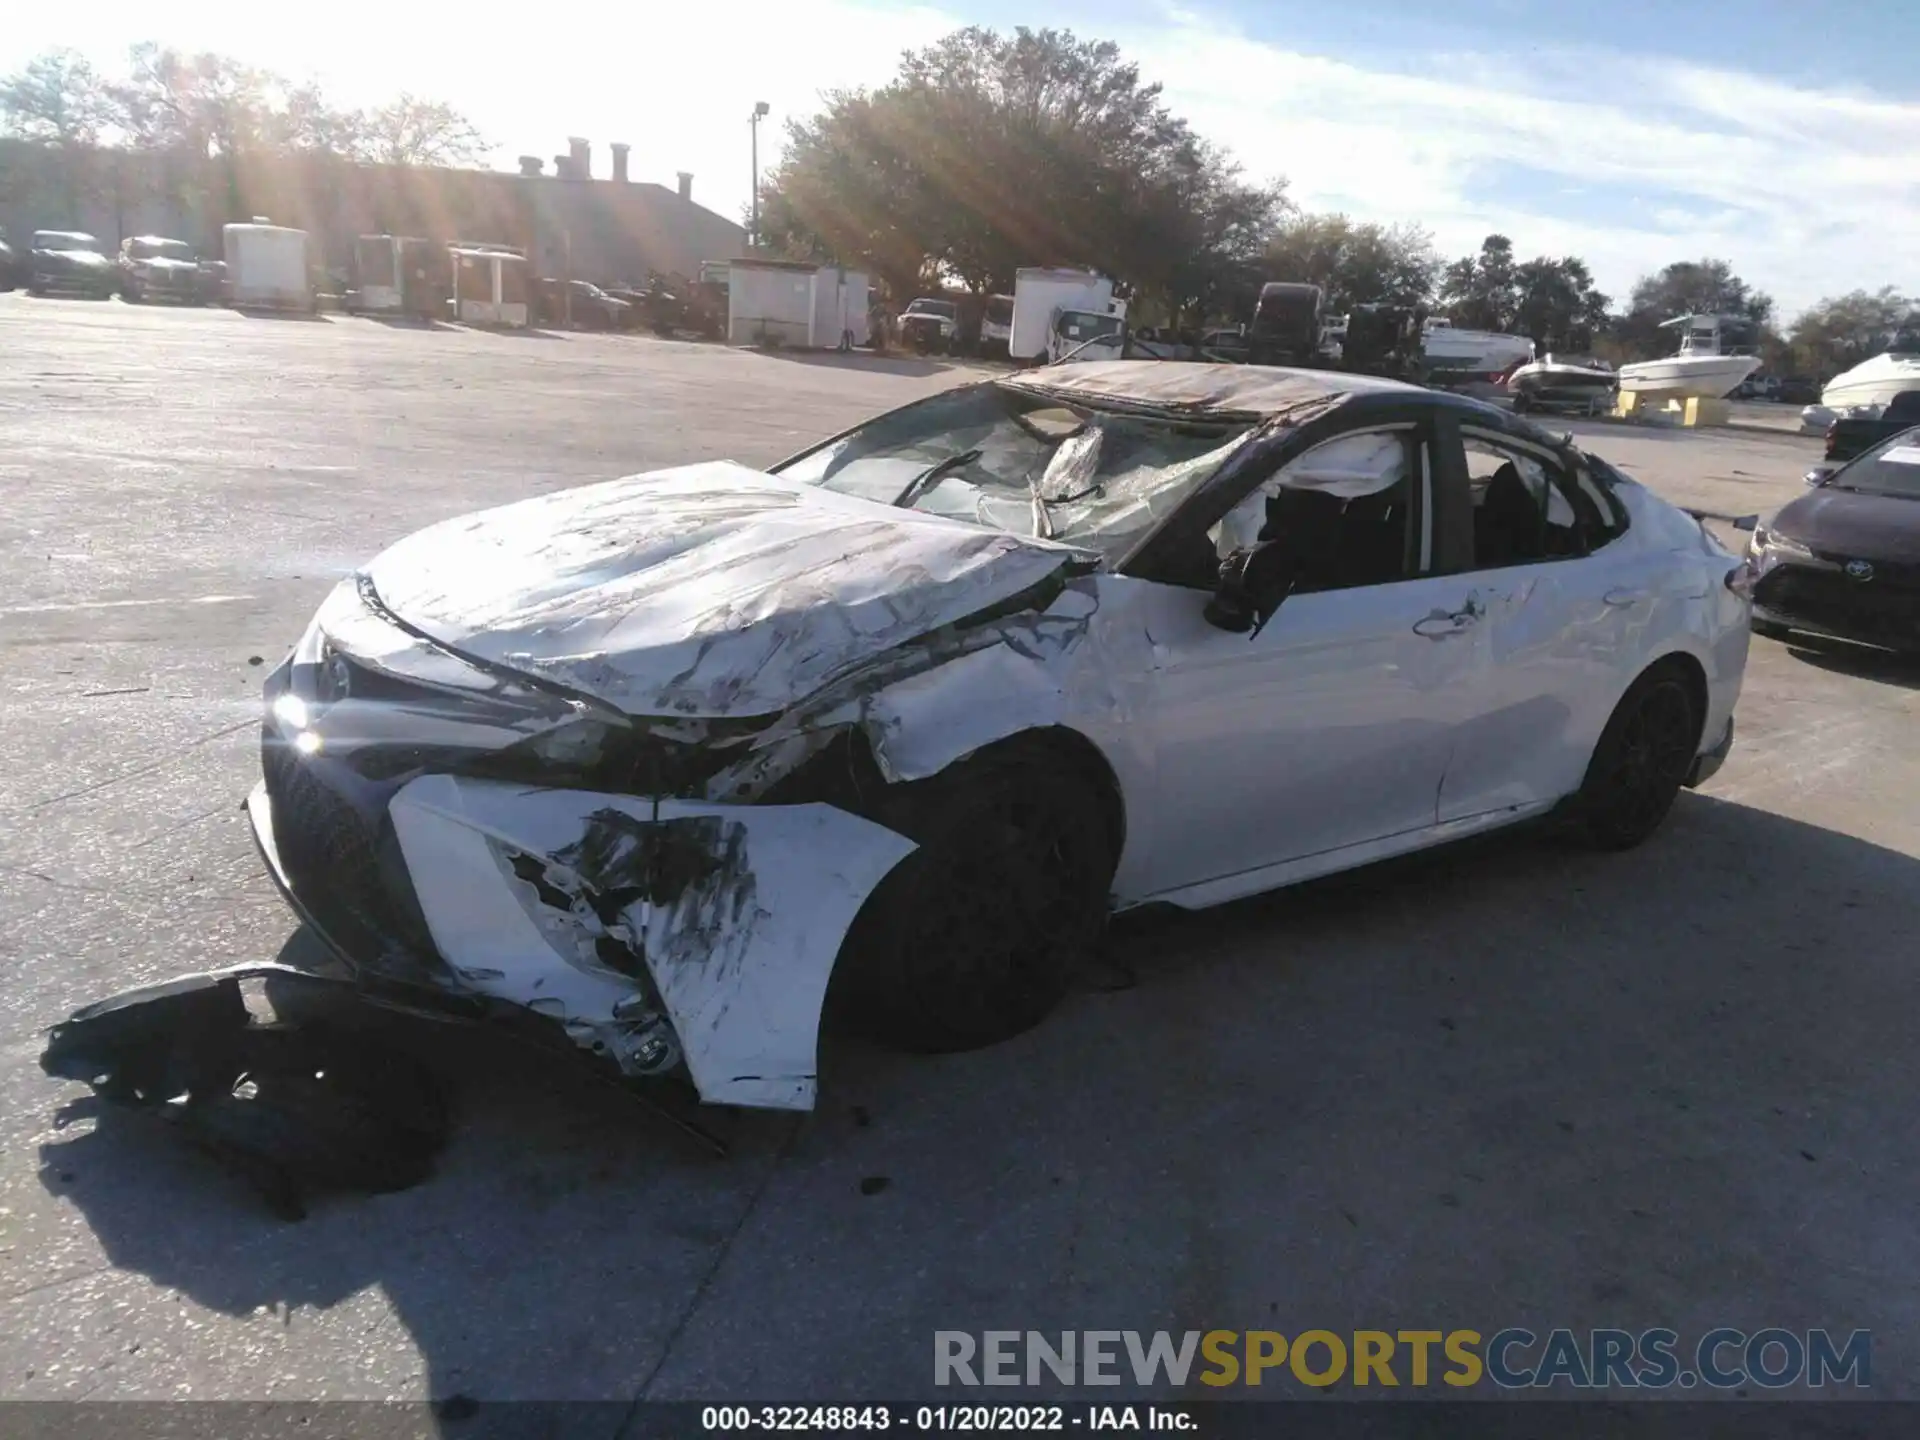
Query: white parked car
(664, 760)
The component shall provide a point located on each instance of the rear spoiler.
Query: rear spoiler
(1738, 522)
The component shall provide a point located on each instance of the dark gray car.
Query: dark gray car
(70, 262)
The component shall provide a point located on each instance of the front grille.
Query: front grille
(1887, 574)
(334, 853)
(1882, 608)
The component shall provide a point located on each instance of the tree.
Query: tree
(56, 99)
(208, 106)
(1840, 331)
(1205, 235)
(1478, 291)
(1687, 287)
(304, 121)
(1555, 304)
(204, 105)
(988, 152)
(412, 131)
(1354, 262)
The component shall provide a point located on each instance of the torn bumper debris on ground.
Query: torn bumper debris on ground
(297, 1109)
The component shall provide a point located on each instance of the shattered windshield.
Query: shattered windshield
(1006, 458)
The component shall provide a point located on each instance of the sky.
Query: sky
(1632, 134)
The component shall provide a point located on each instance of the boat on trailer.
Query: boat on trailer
(1555, 381)
(1717, 352)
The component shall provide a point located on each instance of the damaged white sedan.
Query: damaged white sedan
(662, 761)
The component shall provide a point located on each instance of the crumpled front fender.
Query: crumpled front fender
(608, 911)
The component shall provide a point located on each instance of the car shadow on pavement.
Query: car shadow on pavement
(1436, 1070)
(405, 322)
(1842, 657)
(889, 364)
(519, 332)
(314, 317)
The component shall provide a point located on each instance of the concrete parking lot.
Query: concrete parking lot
(1513, 1083)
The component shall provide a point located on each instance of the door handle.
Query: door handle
(1627, 596)
(1440, 624)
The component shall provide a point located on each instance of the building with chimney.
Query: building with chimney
(610, 231)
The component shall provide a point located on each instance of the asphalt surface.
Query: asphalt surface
(1512, 1083)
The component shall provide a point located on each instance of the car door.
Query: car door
(1530, 533)
(1328, 728)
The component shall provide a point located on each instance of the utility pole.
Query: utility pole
(760, 110)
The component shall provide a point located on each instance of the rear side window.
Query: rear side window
(1530, 507)
(1607, 521)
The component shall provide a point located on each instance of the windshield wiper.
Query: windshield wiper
(917, 487)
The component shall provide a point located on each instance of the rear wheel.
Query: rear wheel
(976, 935)
(1641, 761)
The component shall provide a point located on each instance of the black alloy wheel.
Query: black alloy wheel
(976, 936)
(1641, 761)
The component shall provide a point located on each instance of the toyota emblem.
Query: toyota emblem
(1859, 570)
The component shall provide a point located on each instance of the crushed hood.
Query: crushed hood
(708, 590)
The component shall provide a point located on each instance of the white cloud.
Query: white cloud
(1807, 193)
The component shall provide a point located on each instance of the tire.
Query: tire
(975, 936)
(1641, 761)
(1770, 630)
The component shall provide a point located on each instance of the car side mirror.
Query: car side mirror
(1254, 582)
(1818, 475)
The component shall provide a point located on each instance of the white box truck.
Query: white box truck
(267, 267)
(1040, 295)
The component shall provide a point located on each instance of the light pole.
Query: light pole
(760, 110)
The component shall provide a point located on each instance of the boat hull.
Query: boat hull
(1572, 382)
(1703, 377)
(1460, 356)
(1872, 382)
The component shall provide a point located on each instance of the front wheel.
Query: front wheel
(1641, 761)
(976, 935)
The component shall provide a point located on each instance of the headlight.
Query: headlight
(1780, 546)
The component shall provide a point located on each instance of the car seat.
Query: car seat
(1508, 522)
